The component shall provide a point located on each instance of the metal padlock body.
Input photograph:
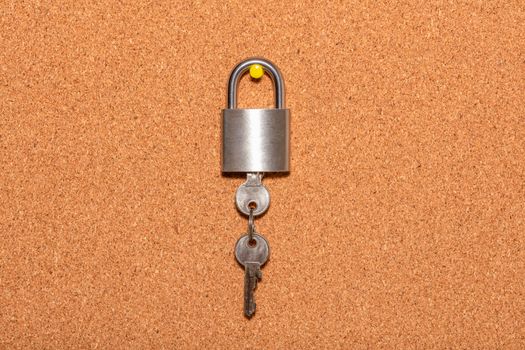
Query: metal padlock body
(255, 140)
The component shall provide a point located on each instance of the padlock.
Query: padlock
(255, 140)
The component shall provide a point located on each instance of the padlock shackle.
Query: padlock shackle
(269, 68)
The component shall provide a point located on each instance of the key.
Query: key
(252, 255)
(252, 193)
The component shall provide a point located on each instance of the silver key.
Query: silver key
(252, 193)
(252, 255)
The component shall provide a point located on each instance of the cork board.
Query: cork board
(401, 224)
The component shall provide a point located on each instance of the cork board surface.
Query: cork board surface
(401, 224)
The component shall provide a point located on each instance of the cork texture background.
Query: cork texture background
(401, 224)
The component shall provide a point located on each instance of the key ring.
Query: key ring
(251, 225)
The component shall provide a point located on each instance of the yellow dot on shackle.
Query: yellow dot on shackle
(256, 71)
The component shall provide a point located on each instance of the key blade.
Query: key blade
(251, 276)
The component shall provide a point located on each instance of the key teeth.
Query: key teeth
(255, 276)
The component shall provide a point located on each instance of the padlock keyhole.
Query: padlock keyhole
(255, 93)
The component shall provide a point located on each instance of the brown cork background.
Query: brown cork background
(401, 224)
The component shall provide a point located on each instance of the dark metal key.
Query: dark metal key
(252, 254)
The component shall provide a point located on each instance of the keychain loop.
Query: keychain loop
(251, 225)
